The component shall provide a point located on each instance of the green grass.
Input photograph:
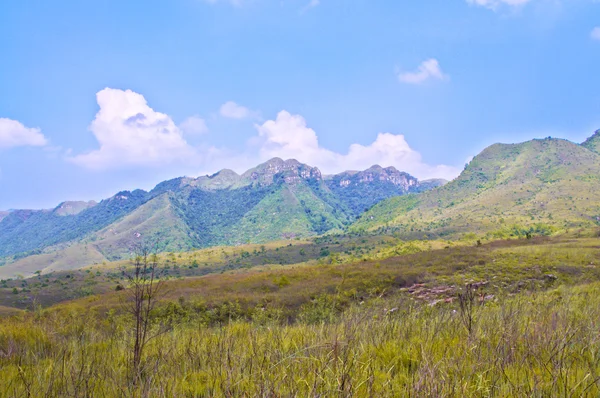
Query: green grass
(540, 343)
(376, 316)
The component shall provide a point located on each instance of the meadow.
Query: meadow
(515, 317)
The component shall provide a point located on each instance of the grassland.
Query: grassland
(372, 317)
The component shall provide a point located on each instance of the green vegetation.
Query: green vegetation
(383, 183)
(593, 143)
(399, 326)
(546, 185)
(26, 232)
(276, 200)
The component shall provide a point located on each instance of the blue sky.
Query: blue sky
(96, 97)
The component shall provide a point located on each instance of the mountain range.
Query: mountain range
(542, 186)
(275, 200)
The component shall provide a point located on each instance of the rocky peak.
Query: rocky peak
(70, 208)
(377, 173)
(292, 172)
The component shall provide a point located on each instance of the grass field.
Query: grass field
(396, 321)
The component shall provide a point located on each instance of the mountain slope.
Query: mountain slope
(593, 143)
(157, 220)
(26, 232)
(544, 184)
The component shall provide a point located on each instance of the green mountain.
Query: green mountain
(275, 200)
(536, 186)
(349, 186)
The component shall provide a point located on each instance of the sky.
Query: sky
(103, 96)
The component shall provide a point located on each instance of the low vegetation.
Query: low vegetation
(516, 317)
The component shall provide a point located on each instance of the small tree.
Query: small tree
(466, 305)
(143, 293)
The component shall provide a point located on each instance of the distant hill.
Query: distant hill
(349, 187)
(275, 200)
(537, 186)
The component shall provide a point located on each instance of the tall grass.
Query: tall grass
(531, 345)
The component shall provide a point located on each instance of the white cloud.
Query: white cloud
(14, 134)
(429, 69)
(232, 110)
(288, 136)
(494, 4)
(595, 33)
(194, 125)
(131, 133)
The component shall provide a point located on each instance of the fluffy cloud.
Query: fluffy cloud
(428, 70)
(129, 132)
(595, 33)
(288, 136)
(494, 4)
(14, 133)
(194, 125)
(232, 110)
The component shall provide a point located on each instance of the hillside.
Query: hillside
(275, 200)
(593, 143)
(508, 189)
(407, 324)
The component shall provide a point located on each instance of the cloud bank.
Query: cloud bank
(288, 136)
(14, 134)
(130, 133)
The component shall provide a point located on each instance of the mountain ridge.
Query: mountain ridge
(275, 200)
